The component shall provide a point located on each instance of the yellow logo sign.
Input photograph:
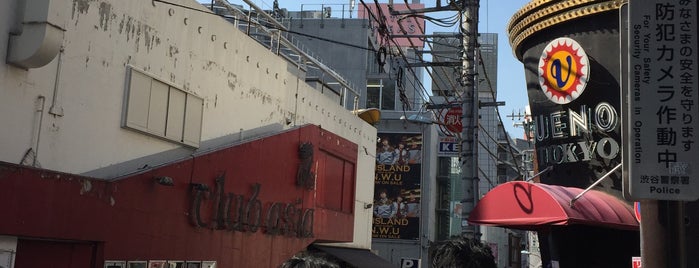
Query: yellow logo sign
(563, 70)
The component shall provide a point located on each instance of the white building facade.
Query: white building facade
(106, 89)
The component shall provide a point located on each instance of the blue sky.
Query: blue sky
(494, 15)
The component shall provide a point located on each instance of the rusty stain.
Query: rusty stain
(86, 186)
(209, 65)
(121, 23)
(257, 93)
(151, 37)
(138, 35)
(232, 81)
(105, 11)
(80, 6)
(173, 51)
(128, 28)
(146, 34)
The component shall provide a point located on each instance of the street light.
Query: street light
(418, 119)
(370, 115)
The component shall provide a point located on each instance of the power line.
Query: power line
(497, 111)
(424, 94)
(386, 37)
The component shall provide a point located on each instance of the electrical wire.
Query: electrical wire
(432, 48)
(497, 111)
(486, 178)
(424, 94)
(383, 20)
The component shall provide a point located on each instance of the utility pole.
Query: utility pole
(469, 118)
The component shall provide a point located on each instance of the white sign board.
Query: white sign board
(663, 106)
(448, 146)
(409, 263)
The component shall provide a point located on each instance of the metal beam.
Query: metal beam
(457, 35)
(435, 64)
(490, 104)
(442, 105)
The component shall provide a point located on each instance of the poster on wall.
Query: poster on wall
(397, 186)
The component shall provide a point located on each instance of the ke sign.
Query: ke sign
(662, 90)
(448, 146)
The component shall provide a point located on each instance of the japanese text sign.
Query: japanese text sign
(662, 89)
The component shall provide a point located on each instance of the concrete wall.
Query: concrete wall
(350, 62)
(68, 114)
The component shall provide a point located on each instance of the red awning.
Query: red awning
(532, 206)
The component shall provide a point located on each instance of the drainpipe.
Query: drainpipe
(38, 38)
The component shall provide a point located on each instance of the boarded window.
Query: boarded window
(162, 110)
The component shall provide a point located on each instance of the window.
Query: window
(388, 95)
(162, 110)
(381, 94)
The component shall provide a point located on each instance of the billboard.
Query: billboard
(395, 24)
(397, 191)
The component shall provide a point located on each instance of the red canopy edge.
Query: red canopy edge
(534, 206)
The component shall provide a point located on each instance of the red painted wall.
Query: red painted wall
(137, 219)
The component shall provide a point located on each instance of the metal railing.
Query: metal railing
(269, 32)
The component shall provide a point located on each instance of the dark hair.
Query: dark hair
(311, 259)
(461, 252)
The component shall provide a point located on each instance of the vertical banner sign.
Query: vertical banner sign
(397, 187)
(662, 93)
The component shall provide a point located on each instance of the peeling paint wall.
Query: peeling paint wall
(244, 86)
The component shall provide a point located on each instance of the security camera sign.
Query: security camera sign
(661, 92)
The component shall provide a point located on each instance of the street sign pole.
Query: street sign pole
(659, 88)
(469, 136)
(661, 84)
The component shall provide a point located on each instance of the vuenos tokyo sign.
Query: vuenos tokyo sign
(569, 129)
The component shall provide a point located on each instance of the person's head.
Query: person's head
(461, 252)
(401, 145)
(399, 199)
(312, 259)
(384, 141)
(382, 194)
